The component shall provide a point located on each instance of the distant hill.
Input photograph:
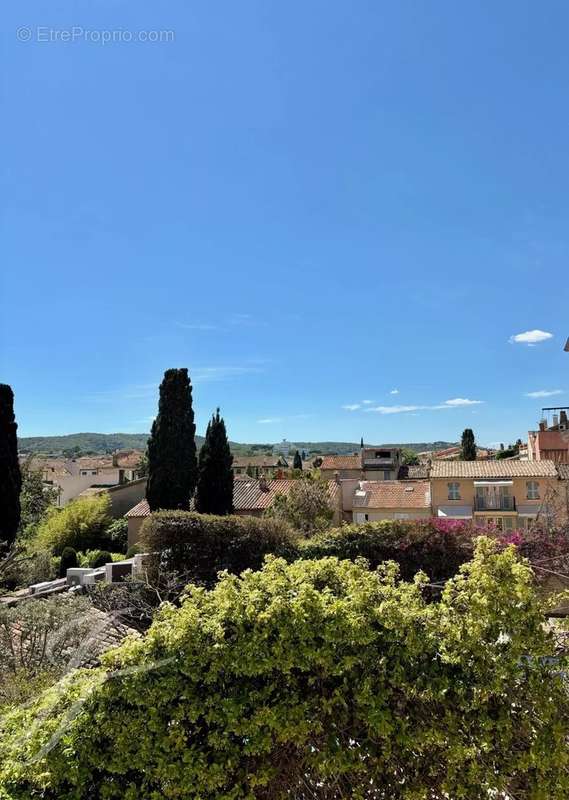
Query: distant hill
(107, 442)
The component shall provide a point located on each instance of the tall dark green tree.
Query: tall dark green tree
(468, 445)
(297, 462)
(214, 494)
(172, 461)
(10, 475)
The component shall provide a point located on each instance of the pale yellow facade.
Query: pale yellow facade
(508, 503)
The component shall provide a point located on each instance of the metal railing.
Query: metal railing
(495, 503)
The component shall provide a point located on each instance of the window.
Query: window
(386, 474)
(454, 491)
(533, 490)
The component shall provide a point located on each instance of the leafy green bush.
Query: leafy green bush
(437, 548)
(133, 551)
(117, 534)
(82, 525)
(200, 545)
(67, 561)
(99, 558)
(317, 679)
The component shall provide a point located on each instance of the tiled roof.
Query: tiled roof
(493, 469)
(413, 472)
(141, 509)
(248, 495)
(259, 461)
(563, 470)
(341, 462)
(393, 494)
(105, 631)
(128, 460)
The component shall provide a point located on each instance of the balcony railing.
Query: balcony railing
(498, 503)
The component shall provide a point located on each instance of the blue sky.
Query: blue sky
(308, 204)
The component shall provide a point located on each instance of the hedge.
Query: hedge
(200, 545)
(437, 549)
(317, 679)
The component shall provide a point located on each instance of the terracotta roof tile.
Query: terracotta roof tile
(341, 462)
(563, 471)
(259, 461)
(493, 469)
(141, 509)
(248, 495)
(393, 494)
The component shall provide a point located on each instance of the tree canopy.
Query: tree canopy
(214, 494)
(172, 462)
(468, 445)
(10, 476)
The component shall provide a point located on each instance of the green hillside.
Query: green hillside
(100, 443)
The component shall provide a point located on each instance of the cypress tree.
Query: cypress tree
(10, 475)
(297, 463)
(172, 462)
(214, 494)
(468, 445)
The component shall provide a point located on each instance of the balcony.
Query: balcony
(378, 463)
(494, 503)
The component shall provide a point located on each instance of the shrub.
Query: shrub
(133, 551)
(27, 570)
(99, 558)
(313, 680)
(437, 548)
(307, 507)
(82, 525)
(201, 545)
(117, 534)
(67, 561)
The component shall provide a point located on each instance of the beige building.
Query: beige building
(255, 466)
(403, 500)
(508, 494)
(371, 463)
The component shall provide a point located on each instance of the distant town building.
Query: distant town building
(371, 463)
(284, 448)
(255, 466)
(550, 441)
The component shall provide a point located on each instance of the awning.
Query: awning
(532, 511)
(493, 483)
(455, 512)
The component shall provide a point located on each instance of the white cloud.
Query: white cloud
(396, 409)
(457, 402)
(462, 401)
(269, 420)
(394, 391)
(351, 407)
(198, 326)
(368, 402)
(531, 337)
(544, 393)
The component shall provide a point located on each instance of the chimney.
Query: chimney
(563, 417)
(337, 477)
(555, 420)
(542, 425)
(263, 485)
